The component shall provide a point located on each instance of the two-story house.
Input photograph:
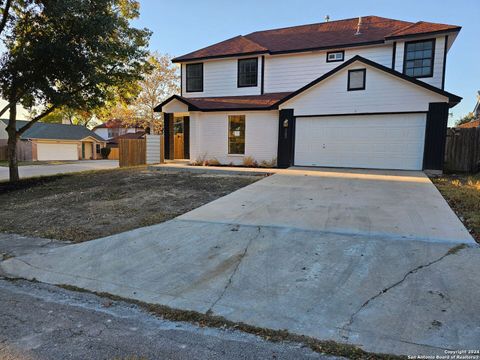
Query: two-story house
(365, 92)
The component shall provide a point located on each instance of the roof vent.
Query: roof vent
(359, 25)
(327, 18)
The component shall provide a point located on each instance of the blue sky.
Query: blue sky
(183, 26)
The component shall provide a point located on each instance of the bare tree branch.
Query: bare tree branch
(35, 119)
(5, 15)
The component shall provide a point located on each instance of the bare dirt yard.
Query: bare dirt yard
(462, 193)
(89, 205)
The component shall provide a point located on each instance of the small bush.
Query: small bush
(212, 162)
(268, 164)
(249, 161)
(105, 152)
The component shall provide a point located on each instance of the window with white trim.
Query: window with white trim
(335, 56)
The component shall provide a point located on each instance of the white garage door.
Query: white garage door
(361, 141)
(57, 151)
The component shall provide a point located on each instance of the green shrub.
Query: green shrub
(105, 152)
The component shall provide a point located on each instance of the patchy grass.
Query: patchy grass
(25, 163)
(462, 192)
(93, 204)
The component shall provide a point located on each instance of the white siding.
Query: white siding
(102, 132)
(383, 93)
(291, 72)
(366, 141)
(220, 79)
(209, 136)
(436, 79)
(175, 106)
(153, 149)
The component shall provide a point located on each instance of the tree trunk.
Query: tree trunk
(12, 144)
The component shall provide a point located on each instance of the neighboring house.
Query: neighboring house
(113, 128)
(44, 141)
(365, 93)
(476, 112)
(113, 142)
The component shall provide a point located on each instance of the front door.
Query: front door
(178, 138)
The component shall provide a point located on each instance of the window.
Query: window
(356, 79)
(236, 134)
(247, 72)
(335, 56)
(97, 148)
(194, 77)
(418, 61)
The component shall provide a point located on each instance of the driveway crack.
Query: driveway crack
(229, 281)
(345, 329)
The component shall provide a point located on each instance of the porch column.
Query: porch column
(186, 137)
(168, 135)
(435, 136)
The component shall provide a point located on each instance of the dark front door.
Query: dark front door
(286, 136)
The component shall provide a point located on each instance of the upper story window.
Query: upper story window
(418, 59)
(194, 77)
(247, 72)
(334, 56)
(356, 79)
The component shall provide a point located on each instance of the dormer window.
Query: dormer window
(418, 61)
(247, 72)
(335, 56)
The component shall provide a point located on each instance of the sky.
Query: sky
(180, 27)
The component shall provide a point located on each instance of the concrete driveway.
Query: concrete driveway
(70, 167)
(375, 259)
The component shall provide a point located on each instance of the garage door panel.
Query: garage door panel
(46, 152)
(379, 141)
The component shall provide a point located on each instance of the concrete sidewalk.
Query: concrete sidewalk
(268, 256)
(74, 166)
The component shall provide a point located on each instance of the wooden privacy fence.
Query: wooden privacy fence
(24, 150)
(132, 152)
(462, 150)
(113, 154)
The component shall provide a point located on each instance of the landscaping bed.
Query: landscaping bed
(93, 204)
(462, 192)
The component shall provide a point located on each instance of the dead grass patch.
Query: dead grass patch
(84, 206)
(462, 192)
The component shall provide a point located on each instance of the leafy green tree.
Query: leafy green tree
(465, 119)
(66, 53)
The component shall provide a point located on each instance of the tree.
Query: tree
(67, 53)
(465, 119)
(157, 86)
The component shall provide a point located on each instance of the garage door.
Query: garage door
(57, 151)
(366, 141)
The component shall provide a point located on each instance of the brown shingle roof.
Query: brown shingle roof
(246, 102)
(422, 27)
(253, 102)
(324, 35)
(470, 124)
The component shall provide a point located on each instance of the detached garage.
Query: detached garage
(364, 115)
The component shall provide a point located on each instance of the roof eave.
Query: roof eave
(430, 33)
(452, 98)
